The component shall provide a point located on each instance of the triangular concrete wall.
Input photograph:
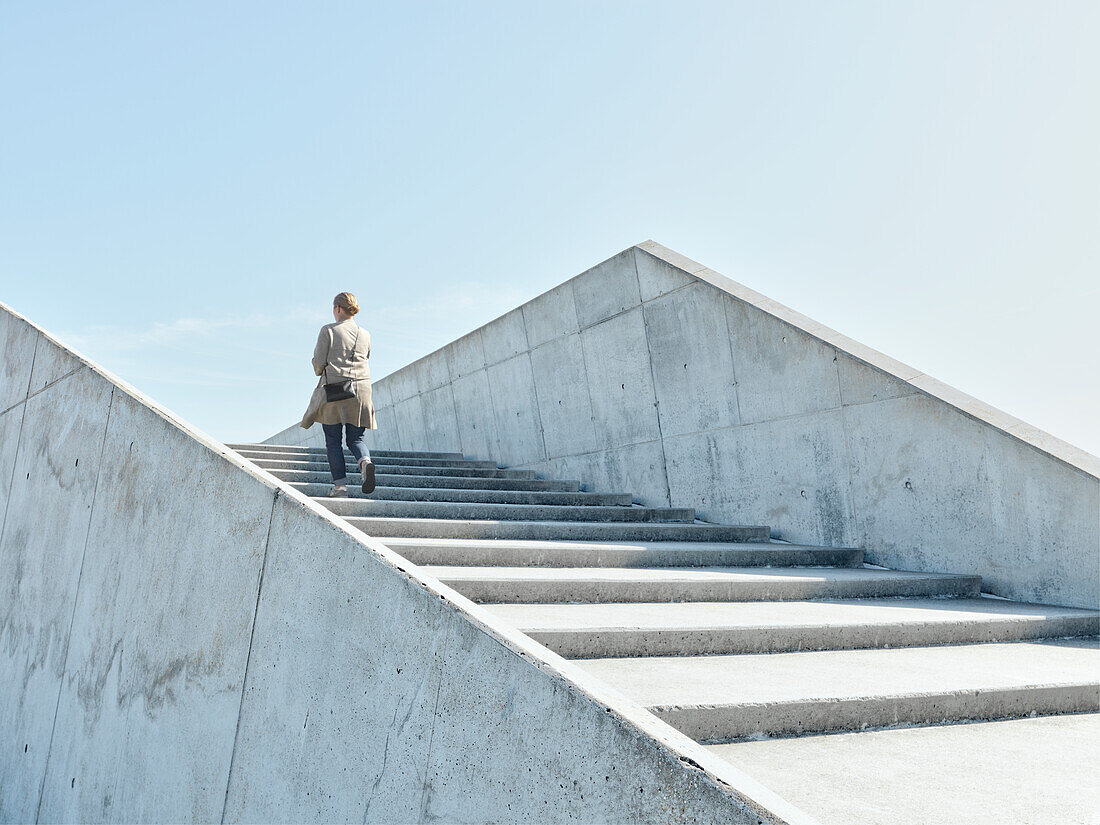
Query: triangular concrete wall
(185, 638)
(654, 374)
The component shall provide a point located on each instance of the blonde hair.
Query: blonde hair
(346, 301)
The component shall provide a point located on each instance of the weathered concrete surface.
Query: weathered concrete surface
(160, 632)
(222, 648)
(41, 551)
(720, 698)
(652, 373)
(1023, 771)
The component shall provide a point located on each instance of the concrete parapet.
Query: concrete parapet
(653, 373)
(185, 637)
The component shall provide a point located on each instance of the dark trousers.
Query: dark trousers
(333, 437)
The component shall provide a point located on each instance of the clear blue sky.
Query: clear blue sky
(184, 187)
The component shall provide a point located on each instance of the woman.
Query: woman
(341, 353)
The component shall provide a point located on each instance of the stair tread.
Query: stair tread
(456, 573)
(596, 554)
(440, 481)
(768, 678)
(700, 524)
(477, 511)
(460, 495)
(384, 526)
(1017, 771)
(714, 584)
(303, 460)
(461, 471)
(322, 451)
(628, 546)
(690, 619)
(717, 615)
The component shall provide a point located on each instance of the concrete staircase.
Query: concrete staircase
(726, 635)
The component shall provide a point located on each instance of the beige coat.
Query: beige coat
(340, 354)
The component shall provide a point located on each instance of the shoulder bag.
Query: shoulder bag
(345, 388)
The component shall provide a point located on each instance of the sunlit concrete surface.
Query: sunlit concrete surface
(1025, 772)
(186, 638)
(796, 640)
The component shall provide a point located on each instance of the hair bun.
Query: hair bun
(347, 302)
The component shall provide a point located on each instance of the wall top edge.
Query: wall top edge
(742, 787)
(1019, 430)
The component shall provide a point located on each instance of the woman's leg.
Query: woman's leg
(356, 442)
(333, 433)
(362, 455)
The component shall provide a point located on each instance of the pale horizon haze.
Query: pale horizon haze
(183, 188)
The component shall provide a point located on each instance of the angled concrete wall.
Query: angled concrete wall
(652, 374)
(184, 638)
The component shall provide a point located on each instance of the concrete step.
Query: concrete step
(399, 469)
(1022, 771)
(279, 448)
(559, 499)
(547, 585)
(560, 530)
(368, 507)
(595, 554)
(714, 698)
(709, 628)
(379, 460)
(443, 481)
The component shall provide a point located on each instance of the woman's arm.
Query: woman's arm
(320, 352)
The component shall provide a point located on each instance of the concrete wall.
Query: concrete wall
(184, 638)
(654, 375)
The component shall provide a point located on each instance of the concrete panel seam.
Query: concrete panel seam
(587, 385)
(534, 386)
(34, 357)
(709, 430)
(76, 601)
(790, 417)
(588, 392)
(653, 379)
(454, 408)
(492, 406)
(733, 369)
(69, 374)
(31, 395)
(248, 656)
(588, 388)
(847, 444)
(672, 291)
(576, 308)
(15, 463)
(396, 424)
(612, 449)
(583, 327)
(431, 741)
